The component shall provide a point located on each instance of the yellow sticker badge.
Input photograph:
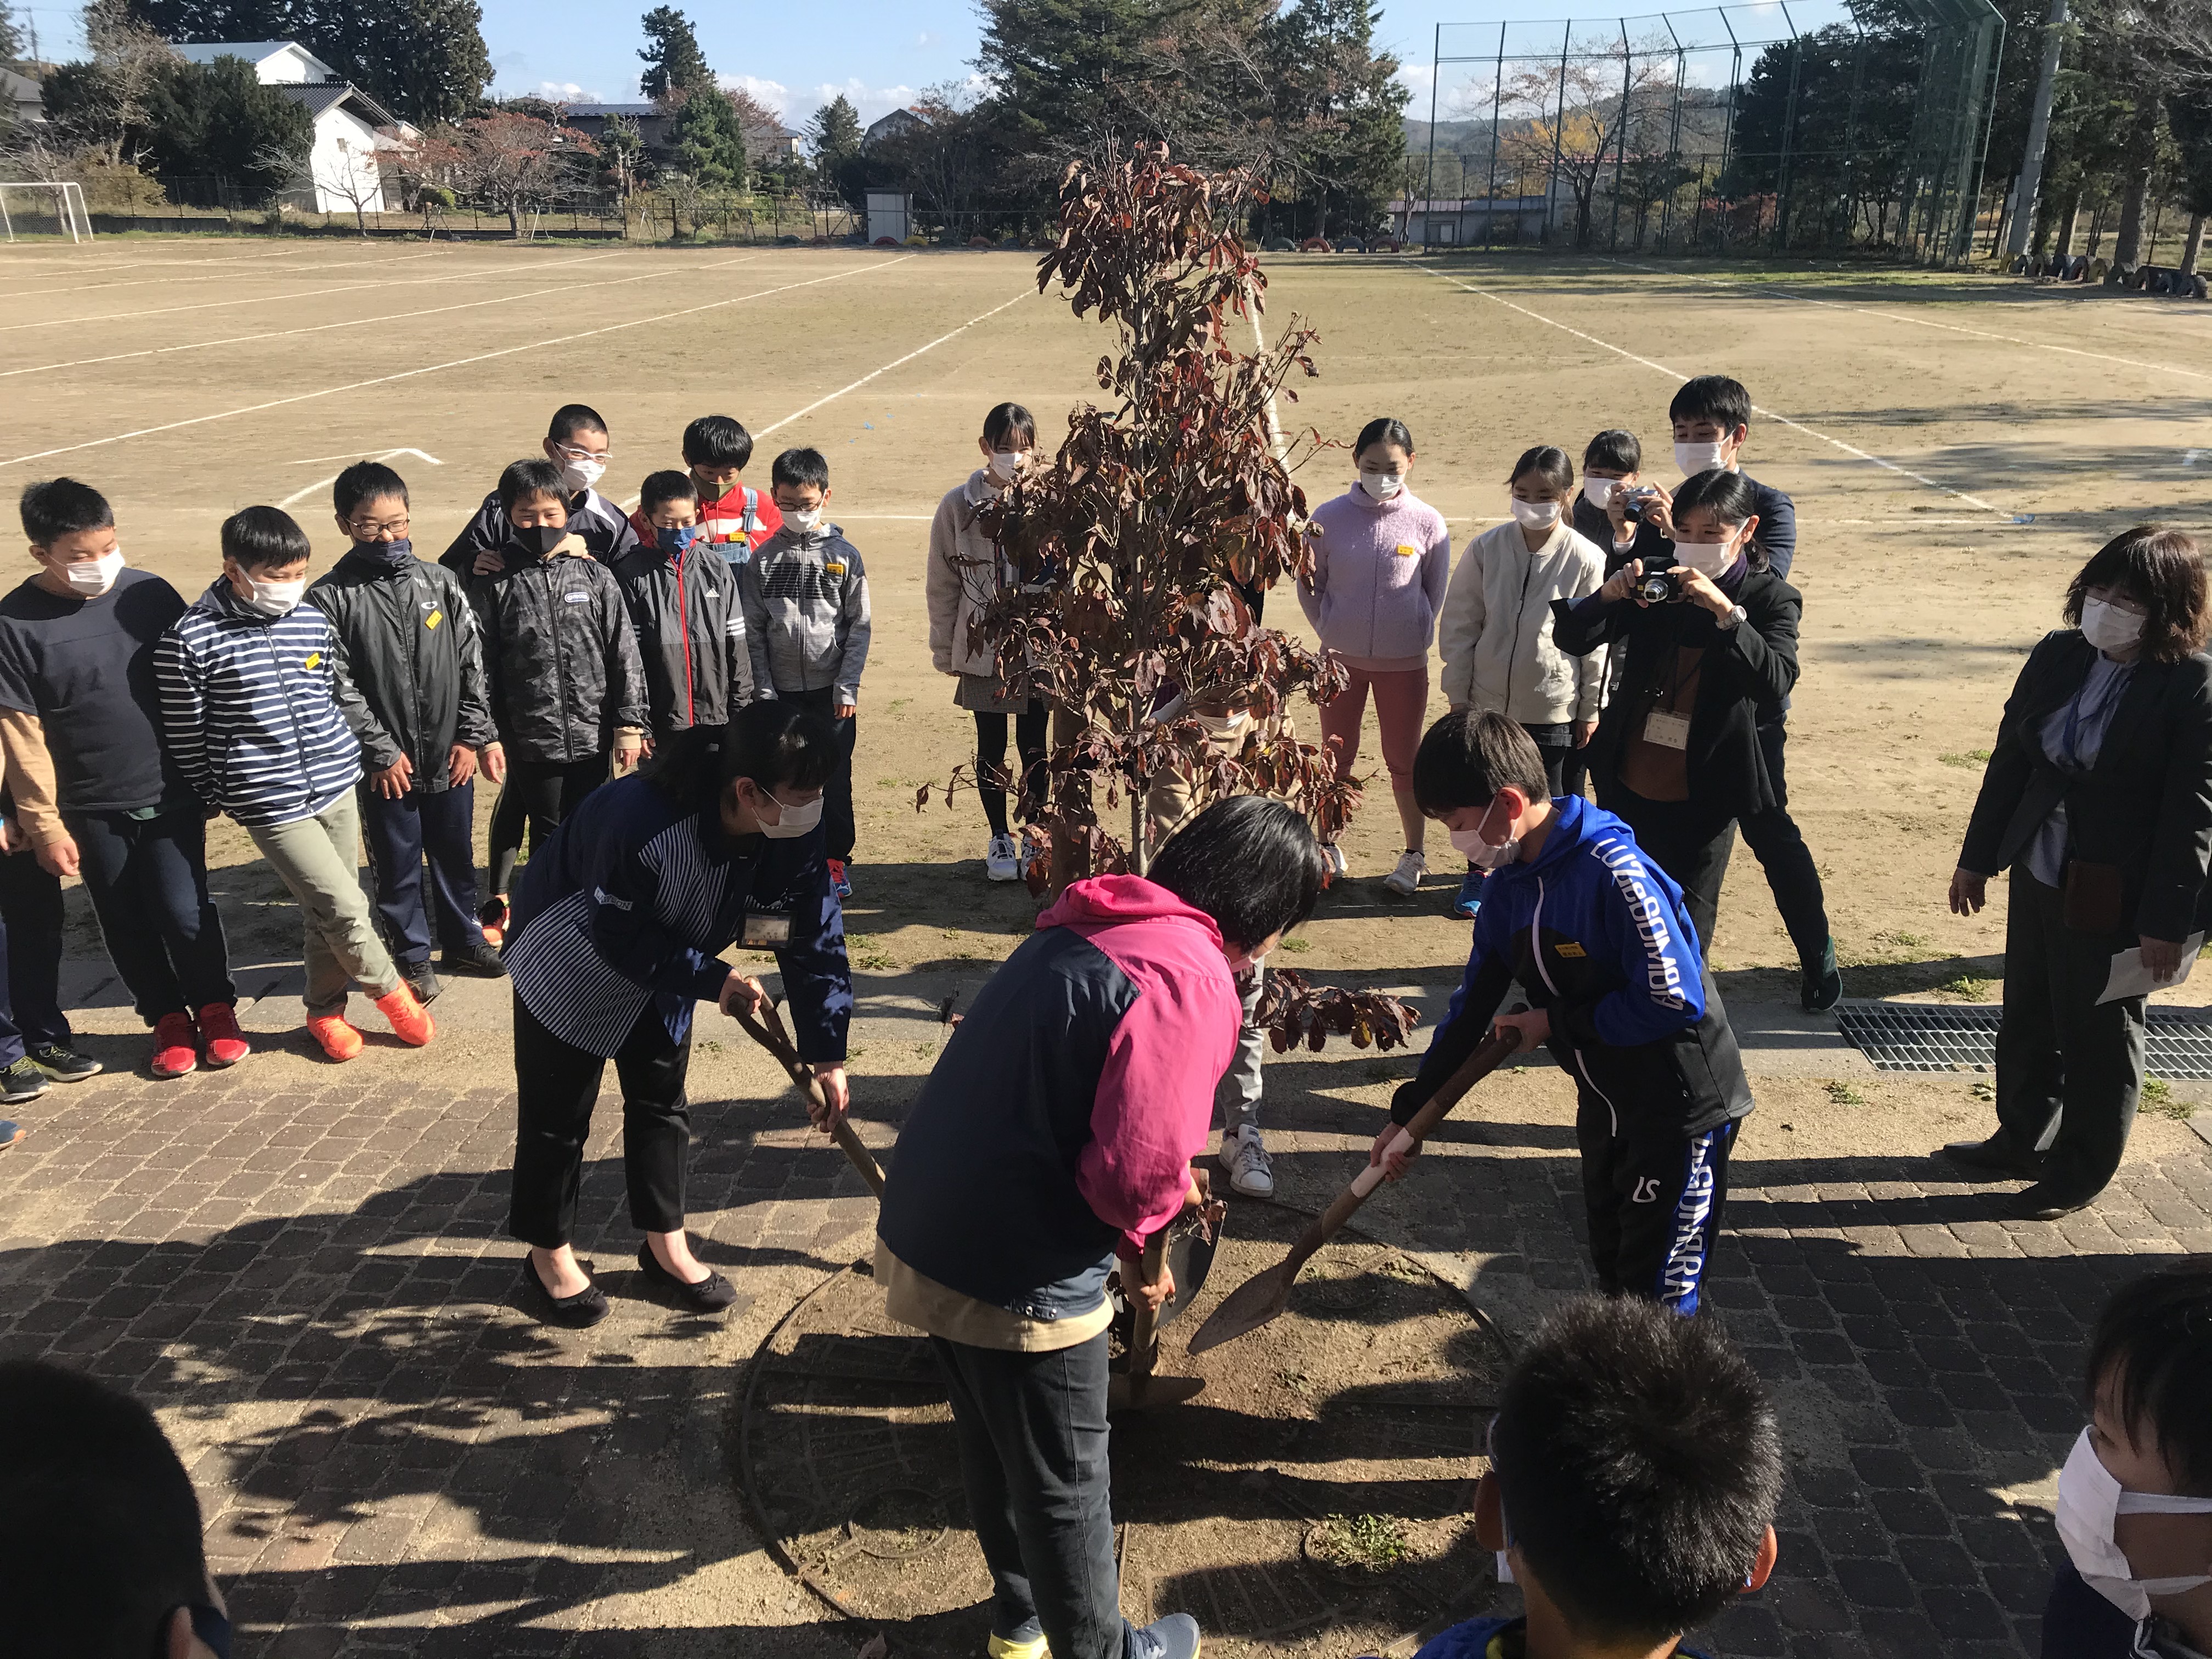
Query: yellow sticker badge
(433, 619)
(1405, 552)
(1570, 949)
(835, 569)
(314, 659)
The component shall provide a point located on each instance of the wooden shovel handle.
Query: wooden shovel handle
(771, 1035)
(1144, 1323)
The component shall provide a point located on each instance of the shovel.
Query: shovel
(1263, 1296)
(1137, 1388)
(768, 1031)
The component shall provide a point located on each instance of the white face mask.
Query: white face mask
(1712, 558)
(2089, 1499)
(277, 598)
(1219, 725)
(1537, 515)
(1382, 486)
(793, 821)
(1470, 846)
(801, 519)
(2108, 626)
(1006, 465)
(1694, 459)
(578, 476)
(1598, 492)
(93, 577)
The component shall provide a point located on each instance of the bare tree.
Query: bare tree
(1590, 108)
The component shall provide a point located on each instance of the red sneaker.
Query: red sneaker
(176, 1046)
(411, 1020)
(338, 1039)
(226, 1045)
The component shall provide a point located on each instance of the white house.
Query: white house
(350, 126)
(21, 95)
(896, 125)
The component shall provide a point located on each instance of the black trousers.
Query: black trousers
(2069, 1068)
(441, 826)
(147, 878)
(837, 794)
(1654, 1201)
(1556, 756)
(1680, 838)
(991, 758)
(539, 794)
(556, 1085)
(30, 958)
(1032, 1434)
(1779, 846)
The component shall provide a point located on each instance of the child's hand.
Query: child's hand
(1700, 589)
(59, 858)
(460, 764)
(1659, 512)
(1530, 1027)
(571, 546)
(1622, 584)
(391, 782)
(1584, 731)
(1394, 1163)
(487, 563)
(846, 711)
(836, 1097)
(628, 746)
(494, 761)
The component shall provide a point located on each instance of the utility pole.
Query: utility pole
(2038, 134)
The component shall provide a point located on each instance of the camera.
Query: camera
(1633, 500)
(1659, 586)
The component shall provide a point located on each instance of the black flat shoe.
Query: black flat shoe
(712, 1294)
(1822, 987)
(1994, 1159)
(2045, 1202)
(586, 1308)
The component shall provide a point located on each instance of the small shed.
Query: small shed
(1473, 221)
(891, 213)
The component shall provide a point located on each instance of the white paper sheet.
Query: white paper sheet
(2130, 978)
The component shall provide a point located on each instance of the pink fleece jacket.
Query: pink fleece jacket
(1380, 571)
(1154, 1107)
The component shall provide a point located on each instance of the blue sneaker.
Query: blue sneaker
(1175, 1637)
(841, 883)
(10, 1134)
(1469, 898)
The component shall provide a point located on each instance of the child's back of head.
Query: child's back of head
(1637, 1463)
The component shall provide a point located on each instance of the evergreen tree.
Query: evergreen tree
(673, 61)
(11, 37)
(1341, 114)
(709, 139)
(835, 134)
(217, 121)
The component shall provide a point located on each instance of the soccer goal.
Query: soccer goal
(59, 200)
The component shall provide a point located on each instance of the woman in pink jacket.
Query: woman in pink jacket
(1382, 558)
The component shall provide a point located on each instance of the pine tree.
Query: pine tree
(11, 37)
(1342, 113)
(709, 139)
(673, 60)
(835, 134)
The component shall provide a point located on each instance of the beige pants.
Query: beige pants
(318, 860)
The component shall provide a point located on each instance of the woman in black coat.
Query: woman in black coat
(2097, 800)
(1677, 752)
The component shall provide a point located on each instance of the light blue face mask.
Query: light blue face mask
(677, 538)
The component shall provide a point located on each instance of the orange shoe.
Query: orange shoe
(493, 917)
(339, 1039)
(411, 1020)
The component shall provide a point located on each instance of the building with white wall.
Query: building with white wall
(352, 129)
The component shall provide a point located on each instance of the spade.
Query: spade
(767, 1028)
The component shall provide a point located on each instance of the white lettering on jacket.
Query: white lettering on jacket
(1660, 973)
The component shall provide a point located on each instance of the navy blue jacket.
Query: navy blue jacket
(636, 898)
(1596, 933)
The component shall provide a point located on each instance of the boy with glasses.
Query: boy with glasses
(577, 443)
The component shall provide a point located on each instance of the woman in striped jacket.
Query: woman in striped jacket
(262, 726)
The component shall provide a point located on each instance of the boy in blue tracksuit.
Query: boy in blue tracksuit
(1599, 939)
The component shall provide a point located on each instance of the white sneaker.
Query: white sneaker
(1244, 1156)
(1405, 879)
(1335, 855)
(1003, 861)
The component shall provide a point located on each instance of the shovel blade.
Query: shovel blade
(1142, 1394)
(1245, 1309)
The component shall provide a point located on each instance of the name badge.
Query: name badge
(1571, 950)
(834, 568)
(1405, 552)
(433, 619)
(1668, 731)
(577, 598)
(764, 929)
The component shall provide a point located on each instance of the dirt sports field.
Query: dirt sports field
(1956, 446)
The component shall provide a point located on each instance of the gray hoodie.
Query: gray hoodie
(806, 613)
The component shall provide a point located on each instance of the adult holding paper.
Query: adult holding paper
(2097, 800)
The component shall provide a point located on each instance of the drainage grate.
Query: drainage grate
(1929, 1036)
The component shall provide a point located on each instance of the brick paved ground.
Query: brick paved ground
(300, 1268)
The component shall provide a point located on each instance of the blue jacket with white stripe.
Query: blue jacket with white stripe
(255, 709)
(1596, 933)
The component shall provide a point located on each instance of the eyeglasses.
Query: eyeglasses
(390, 527)
(575, 454)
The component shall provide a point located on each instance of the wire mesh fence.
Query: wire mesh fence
(1743, 128)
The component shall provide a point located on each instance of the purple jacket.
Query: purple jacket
(1380, 570)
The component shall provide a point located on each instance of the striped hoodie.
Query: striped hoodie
(253, 708)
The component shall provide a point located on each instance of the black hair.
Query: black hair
(1383, 431)
(62, 507)
(801, 467)
(2165, 569)
(1550, 464)
(671, 486)
(366, 481)
(1638, 1463)
(570, 419)
(1005, 421)
(1728, 497)
(99, 1524)
(1712, 398)
(717, 440)
(2153, 1345)
(1250, 862)
(1615, 450)
(777, 745)
(263, 539)
(1465, 758)
(535, 477)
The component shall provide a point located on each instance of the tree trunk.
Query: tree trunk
(2038, 127)
(2194, 246)
(2128, 245)
(2066, 218)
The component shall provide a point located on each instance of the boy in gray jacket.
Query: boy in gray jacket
(805, 597)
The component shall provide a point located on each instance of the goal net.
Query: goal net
(50, 207)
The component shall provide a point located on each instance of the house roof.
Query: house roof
(254, 51)
(317, 97)
(635, 111)
(21, 90)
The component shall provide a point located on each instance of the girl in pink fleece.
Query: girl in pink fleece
(1382, 560)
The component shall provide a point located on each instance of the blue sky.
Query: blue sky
(881, 53)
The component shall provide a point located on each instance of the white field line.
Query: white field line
(1852, 450)
(895, 363)
(454, 362)
(324, 483)
(362, 322)
(230, 276)
(1920, 322)
(67, 260)
(301, 294)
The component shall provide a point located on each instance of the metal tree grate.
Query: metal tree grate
(1928, 1037)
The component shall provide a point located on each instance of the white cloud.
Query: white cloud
(924, 38)
(564, 92)
(773, 93)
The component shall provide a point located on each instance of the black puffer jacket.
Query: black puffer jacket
(414, 653)
(691, 634)
(559, 656)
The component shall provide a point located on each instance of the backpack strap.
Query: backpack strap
(751, 522)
